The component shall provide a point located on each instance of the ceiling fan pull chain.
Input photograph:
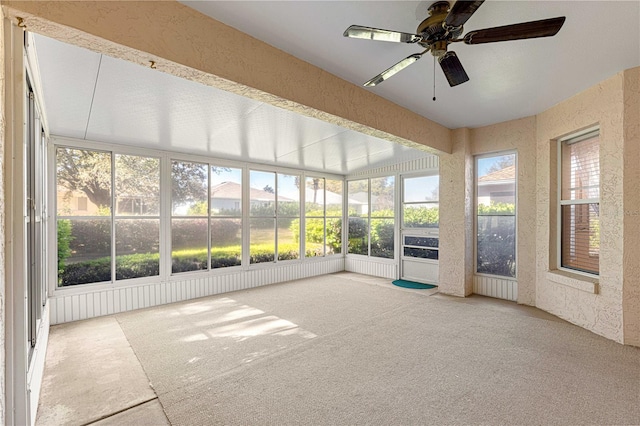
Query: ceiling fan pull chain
(434, 79)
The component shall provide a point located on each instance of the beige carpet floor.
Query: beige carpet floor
(350, 349)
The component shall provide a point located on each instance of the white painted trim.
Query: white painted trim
(36, 367)
(16, 403)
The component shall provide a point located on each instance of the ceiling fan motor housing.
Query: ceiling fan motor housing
(434, 34)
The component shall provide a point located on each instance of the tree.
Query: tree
(188, 182)
(86, 171)
(333, 185)
(89, 172)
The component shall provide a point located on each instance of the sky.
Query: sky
(484, 164)
(423, 188)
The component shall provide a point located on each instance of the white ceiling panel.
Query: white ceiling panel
(68, 84)
(140, 105)
(99, 98)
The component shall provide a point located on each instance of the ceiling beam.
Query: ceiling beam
(178, 40)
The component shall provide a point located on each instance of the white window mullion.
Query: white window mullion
(165, 217)
(246, 218)
(113, 217)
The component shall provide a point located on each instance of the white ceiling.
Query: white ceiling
(508, 80)
(95, 97)
(91, 96)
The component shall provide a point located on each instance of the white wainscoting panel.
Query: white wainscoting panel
(500, 288)
(371, 267)
(66, 308)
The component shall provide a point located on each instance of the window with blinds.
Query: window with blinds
(580, 203)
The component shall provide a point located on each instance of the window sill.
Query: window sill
(579, 282)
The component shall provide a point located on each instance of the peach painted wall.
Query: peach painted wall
(595, 307)
(518, 135)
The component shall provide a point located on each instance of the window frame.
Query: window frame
(576, 137)
(415, 231)
(475, 213)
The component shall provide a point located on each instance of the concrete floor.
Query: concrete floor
(92, 375)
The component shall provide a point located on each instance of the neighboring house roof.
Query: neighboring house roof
(359, 197)
(233, 190)
(332, 197)
(508, 173)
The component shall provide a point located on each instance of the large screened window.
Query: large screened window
(358, 205)
(137, 216)
(206, 216)
(496, 215)
(95, 242)
(382, 229)
(274, 222)
(189, 216)
(225, 216)
(323, 217)
(371, 216)
(580, 203)
(288, 216)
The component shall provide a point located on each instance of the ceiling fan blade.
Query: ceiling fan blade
(533, 29)
(453, 69)
(461, 11)
(368, 33)
(384, 75)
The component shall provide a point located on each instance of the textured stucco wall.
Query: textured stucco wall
(188, 44)
(456, 217)
(601, 104)
(518, 135)
(2, 220)
(631, 261)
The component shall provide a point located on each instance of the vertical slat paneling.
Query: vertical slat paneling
(369, 267)
(66, 308)
(426, 163)
(500, 288)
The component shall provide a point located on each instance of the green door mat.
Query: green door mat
(412, 284)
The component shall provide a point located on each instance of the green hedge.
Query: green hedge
(315, 233)
(64, 243)
(148, 265)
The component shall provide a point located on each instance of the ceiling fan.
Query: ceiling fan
(444, 27)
